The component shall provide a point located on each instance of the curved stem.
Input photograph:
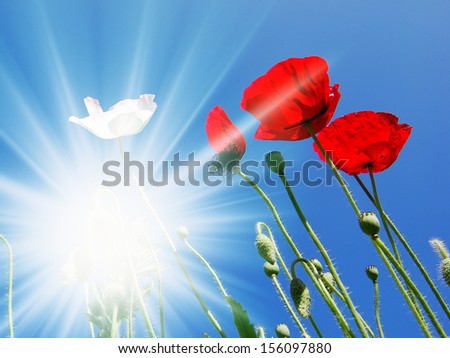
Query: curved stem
(377, 241)
(10, 284)
(289, 307)
(325, 256)
(413, 308)
(410, 251)
(377, 308)
(208, 266)
(319, 285)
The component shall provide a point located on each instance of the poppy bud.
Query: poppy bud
(328, 280)
(265, 248)
(282, 331)
(182, 232)
(275, 162)
(440, 248)
(445, 270)
(271, 269)
(372, 272)
(301, 297)
(260, 332)
(317, 264)
(369, 224)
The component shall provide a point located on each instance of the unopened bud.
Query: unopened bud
(266, 248)
(372, 272)
(271, 269)
(282, 331)
(301, 297)
(369, 223)
(260, 332)
(328, 280)
(317, 264)
(183, 232)
(275, 162)
(445, 270)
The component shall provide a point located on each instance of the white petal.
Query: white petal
(93, 106)
(146, 101)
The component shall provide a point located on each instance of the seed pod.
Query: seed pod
(282, 331)
(301, 297)
(369, 223)
(372, 272)
(445, 270)
(271, 269)
(317, 264)
(328, 280)
(265, 248)
(275, 162)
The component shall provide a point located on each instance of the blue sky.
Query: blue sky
(194, 55)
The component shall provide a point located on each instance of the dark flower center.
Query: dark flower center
(303, 121)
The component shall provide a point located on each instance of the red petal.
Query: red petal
(291, 92)
(223, 135)
(365, 138)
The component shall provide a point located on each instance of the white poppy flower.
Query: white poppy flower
(125, 118)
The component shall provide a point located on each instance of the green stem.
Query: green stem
(208, 266)
(86, 298)
(377, 308)
(338, 175)
(319, 285)
(316, 328)
(289, 307)
(341, 297)
(377, 241)
(325, 256)
(411, 305)
(408, 248)
(10, 286)
(377, 204)
(381, 211)
(277, 252)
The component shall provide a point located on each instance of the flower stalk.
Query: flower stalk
(10, 286)
(319, 285)
(408, 248)
(325, 256)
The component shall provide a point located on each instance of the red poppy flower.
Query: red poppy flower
(223, 136)
(364, 139)
(291, 93)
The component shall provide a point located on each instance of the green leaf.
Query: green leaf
(241, 320)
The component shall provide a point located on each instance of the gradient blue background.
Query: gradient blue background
(386, 56)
